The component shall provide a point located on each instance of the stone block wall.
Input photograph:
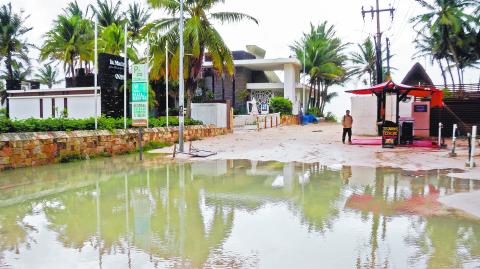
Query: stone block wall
(33, 149)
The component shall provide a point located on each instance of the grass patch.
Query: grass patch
(155, 145)
(71, 157)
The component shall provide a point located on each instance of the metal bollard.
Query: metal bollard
(440, 126)
(471, 161)
(454, 140)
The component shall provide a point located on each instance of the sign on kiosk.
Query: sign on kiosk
(140, 95)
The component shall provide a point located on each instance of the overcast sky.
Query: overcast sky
(281, 23)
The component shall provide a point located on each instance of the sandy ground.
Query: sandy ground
(322, 143)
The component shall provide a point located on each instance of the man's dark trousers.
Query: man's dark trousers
(345, 132)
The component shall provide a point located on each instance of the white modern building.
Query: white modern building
(257, 75)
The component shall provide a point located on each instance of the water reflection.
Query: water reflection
(231, 214)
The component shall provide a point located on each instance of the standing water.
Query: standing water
(116, 213)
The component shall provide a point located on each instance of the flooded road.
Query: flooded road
(114, 213)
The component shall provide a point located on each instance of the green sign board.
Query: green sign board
(140, 95)
(139, 92)
(139, 73)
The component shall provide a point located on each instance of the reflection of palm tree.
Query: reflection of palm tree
(316, 201)
(184, 233)
(64, 217)
(14, 231)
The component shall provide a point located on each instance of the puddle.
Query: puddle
(115, 213)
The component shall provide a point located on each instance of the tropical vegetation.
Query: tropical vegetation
(449, 33)
(201, 38)
(48, 75)
(14, 47)
(281, 105)
(64, 124)
(325, 63)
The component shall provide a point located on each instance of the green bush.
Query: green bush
(315, 111)
(330, 117)
(281, 105)
(63, 124)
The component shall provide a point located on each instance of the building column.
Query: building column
(289, 85)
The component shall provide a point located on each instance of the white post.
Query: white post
(95, 67)
(166, 80)
(125, 79)
(472, 151)
(181, 83)
(440, 135)
(148, 71)
(454, 140)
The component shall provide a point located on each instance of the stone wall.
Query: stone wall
(33, 149)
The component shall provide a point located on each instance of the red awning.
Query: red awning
(416, 91)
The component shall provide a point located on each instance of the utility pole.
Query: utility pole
(181, 81)
(378, 48)
(378, 39)
(388, 57)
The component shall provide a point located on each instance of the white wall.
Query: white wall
(25, 108)
(364, 112)
(79, 107)
(82, 107)
(289, 85)
(210, 113)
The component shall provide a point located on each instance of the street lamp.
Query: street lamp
(181, 84)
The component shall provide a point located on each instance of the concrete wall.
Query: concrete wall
(210, 113)
(78, 107)
(290, 77)
(33, 149)
(364, 112)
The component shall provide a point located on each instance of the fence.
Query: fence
(268, 121)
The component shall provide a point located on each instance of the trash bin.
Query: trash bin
(406, 131)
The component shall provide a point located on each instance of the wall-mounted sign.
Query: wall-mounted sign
(420, 108)
(140, 95)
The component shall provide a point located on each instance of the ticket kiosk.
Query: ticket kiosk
(421, 115)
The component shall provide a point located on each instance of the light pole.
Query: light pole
(166, 80)
(125, 79)
(95, 79)
(181, 83)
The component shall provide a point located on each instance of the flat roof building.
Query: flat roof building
(256, 75)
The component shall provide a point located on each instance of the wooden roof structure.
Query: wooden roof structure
(417, 76)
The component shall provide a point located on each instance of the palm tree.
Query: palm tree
(3, 94)
(73, 9)
(447, 20)
(19, 72)
(12, 45)
(200, 37)
(324, 62)
(364, 61)
(137, 19)
(112, 40)
(48, 76)
(70, 41)
(107, 13)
